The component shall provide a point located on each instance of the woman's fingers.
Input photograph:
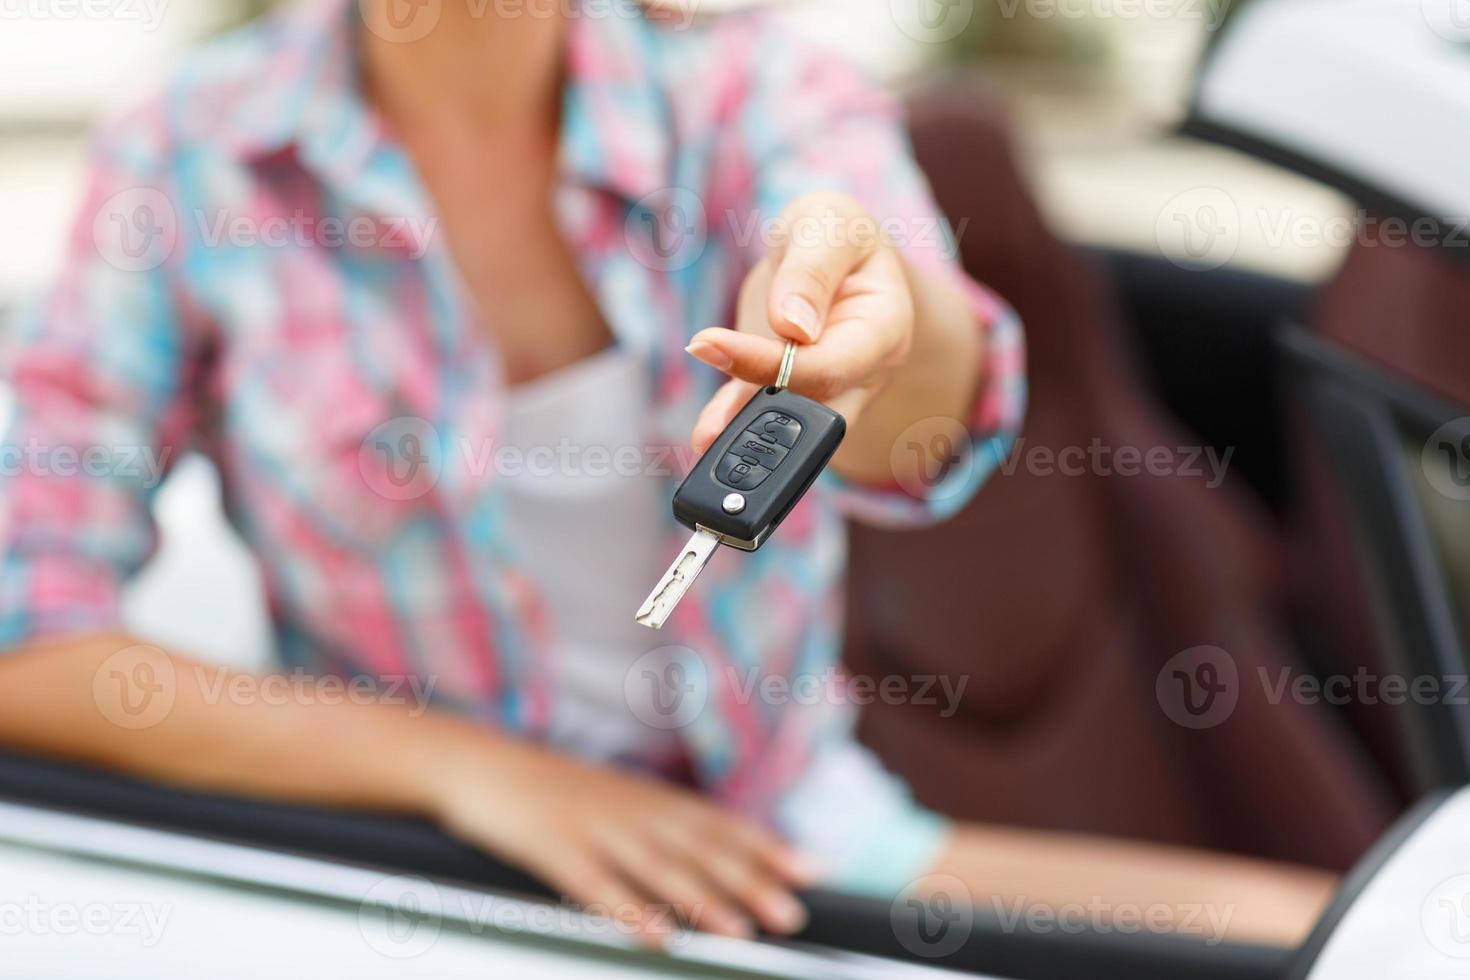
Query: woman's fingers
(584, 877)
(750, 883)
(820, 372)
(755, 876)
(671, 877)
(817, 241)
(780, 858)
(719, 411)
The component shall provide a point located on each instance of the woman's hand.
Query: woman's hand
(830, 282)
(643, 853)
(884, 344)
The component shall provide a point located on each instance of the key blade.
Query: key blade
(676, 581)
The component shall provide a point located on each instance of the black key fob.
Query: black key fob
(759, 467)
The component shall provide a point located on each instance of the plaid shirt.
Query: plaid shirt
(255, 273)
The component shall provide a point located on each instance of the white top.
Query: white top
(586, 516)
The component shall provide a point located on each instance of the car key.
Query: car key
(747, 482)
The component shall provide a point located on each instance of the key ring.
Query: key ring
(788, 361)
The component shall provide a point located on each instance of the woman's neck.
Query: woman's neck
(491, 70)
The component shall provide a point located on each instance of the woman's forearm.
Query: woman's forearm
(939, 380)
(645, 853)
(1026, 876)
(114, 701)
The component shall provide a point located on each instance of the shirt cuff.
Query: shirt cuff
(898, 850)
(992, 429)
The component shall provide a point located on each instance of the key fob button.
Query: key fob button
(734, 471)
(778, 426)
(752, 446)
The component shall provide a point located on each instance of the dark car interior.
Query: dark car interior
(1329, 549)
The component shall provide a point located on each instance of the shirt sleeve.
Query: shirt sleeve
(858, 822)
(814, 122)
(93, 368)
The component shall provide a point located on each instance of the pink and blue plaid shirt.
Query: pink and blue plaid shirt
(255, 273)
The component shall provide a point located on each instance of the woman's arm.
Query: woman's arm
(118, 702)
(1067, 878)
(647, 853)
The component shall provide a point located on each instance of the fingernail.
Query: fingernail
(786, 912)
(806, 869)
(733, 926)
(802, 315)
(711, 355)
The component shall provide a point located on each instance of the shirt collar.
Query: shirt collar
(615, 128)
